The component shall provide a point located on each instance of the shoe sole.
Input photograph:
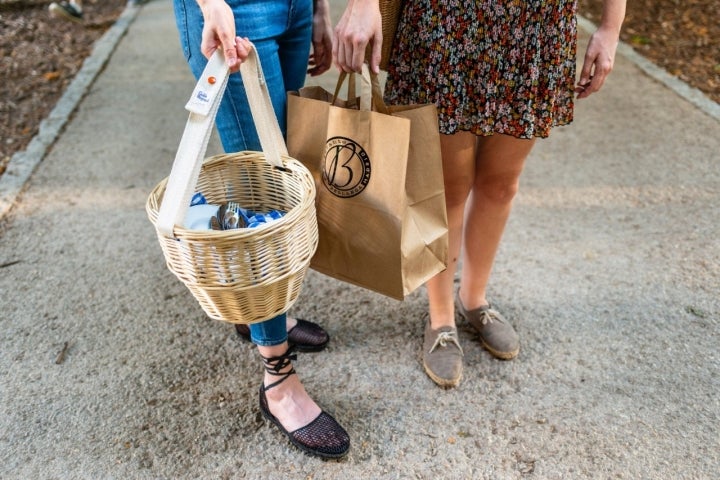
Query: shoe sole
(497, 354)
(442, 382)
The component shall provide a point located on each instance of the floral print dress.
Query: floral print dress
(490, 66)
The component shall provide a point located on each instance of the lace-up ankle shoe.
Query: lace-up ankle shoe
(324, 436)
(442, 356)
(496, 334)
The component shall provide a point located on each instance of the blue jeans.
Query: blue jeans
(281, 31)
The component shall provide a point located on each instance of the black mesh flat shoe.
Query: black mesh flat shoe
(305, 336)
(323, 437)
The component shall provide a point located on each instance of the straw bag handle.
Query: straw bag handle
(203, 106)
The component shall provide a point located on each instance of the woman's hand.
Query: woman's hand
(598, 63)
(600, 55)
(219, 32)
(360, 25)
(322, 42)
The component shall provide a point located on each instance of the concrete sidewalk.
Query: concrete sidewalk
(610, 270)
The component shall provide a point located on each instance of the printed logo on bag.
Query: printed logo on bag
(203, 96)
(346, 169)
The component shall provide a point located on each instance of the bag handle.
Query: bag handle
(351, 95)
(371, 97)
(203, 106)
(378, 102)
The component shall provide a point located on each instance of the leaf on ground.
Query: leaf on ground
(639, 40)
(696, 311)
(51, 76)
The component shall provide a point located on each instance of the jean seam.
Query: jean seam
(268, 343)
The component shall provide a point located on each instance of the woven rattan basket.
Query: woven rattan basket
(390, 11)
(244, 275)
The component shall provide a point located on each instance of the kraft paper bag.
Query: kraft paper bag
(380, 195)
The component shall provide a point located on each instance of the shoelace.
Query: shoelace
(444, 338)
(273, 365)
(490, 316)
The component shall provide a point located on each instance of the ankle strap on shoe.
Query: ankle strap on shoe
(273, 365)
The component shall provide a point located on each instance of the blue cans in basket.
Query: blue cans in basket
(257, 219)
(198, 199)
(229, 216)
(233, 215)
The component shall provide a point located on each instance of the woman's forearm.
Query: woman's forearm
(613, 14)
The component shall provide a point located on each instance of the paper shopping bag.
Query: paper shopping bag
(380, 195)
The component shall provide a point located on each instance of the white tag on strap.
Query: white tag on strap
(210, 85)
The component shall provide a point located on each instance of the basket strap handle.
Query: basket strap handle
(203, 106)
(272, 141)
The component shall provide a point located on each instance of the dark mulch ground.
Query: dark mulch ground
(40, 55)
(681, 36)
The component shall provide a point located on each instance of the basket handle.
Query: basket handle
(203, 106)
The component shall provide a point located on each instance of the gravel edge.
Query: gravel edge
(23, 163)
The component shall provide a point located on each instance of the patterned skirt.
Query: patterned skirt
(490, 66)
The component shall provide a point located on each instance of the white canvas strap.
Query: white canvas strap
(272, 141)
(203, 106)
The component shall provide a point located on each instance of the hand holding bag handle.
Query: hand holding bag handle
(203, 106)
(371, 97)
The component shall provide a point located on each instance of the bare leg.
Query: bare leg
(499, 163)
(288, 401)
(458, 154)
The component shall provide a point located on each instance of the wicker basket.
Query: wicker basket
(243, 275)
(390, 11)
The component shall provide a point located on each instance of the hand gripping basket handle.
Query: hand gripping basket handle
(203, 106)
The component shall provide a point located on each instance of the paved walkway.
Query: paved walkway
(610, 270)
